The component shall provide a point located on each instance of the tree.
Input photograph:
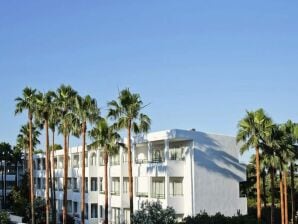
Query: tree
(65, 99)
(42, 116)
(153, 213)
(106, 138)
(5, 155)
(86, 110)
(252, 130)
(28, 102)
(126, 112)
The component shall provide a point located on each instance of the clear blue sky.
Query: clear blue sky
(200, 64)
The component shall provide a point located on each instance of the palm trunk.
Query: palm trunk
(2, 170)
(65, 177)
(272, 194)
(281, 189)
(259, 211)
(293, 193)
(285, 196)
(4, 185)
(53, 180)
(130, 180)
(47, 173)
(106, 187)
(83, 174)
(31, 169)
(264, 193)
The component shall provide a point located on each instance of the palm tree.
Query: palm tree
(53, 123)
(252, 130)
(42, 115)
(126, 112)
(106, 138)
(27, 102)
(65, 96)
(86, 110)
(287, 154)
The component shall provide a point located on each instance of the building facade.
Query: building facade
(188, 170)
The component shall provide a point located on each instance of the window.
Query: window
(141, 186)
(176, 186)
(126, 216)
(101, 185)
(125, 157)
(86, 160)
(60, 162)
(69, 206)
(75, 207)
(158, 187)
(93, 159)
(75, 161)
(86, 184)
(60, 203)
(125, 185)
(116, 215)
(115, 160)
(38, 183)
(157, 155)
(60, 184)
(101, 160)
(75, 184)
(69, 183)
(176, 153)
(55, 162)
(94, 211)
(115, 186)
(56, 183)
(101, 211)
(86, 211)
(43, 164)
(93, 183)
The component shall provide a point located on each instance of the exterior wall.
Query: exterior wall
(201, 163)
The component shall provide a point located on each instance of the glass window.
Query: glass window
(86, 159)
(115, 186)
(101, 185)
(176, 186)
(93, 159)
(86, 211)
(94, 211)
(86, 184)
(126, 216)
(75, 207)
(115, 159)
(101, 160)
(75, 161)
(176, 153)
(93, 183)
(69, 206)
(101, 211)
(69, 183)
(116, 215)
(125, 185)
(158, 187)
(75, 184)
(55, 162)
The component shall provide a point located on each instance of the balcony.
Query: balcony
(142, 194)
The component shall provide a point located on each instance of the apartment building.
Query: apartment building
(188, 170)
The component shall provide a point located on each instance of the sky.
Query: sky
(197, 64)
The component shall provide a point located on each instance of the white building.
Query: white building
(188, 170)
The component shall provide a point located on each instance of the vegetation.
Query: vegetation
(106, 138)
(126, 112)
(153, 213)
(4, 217)
(204, 218)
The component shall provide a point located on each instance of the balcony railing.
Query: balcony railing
(142, 194)
(157, 160)
(115, 192)
(141, 161)
(156, 195)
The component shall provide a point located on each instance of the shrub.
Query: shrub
(4, 217)
(153, 213)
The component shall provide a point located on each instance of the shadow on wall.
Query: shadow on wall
(210, 156)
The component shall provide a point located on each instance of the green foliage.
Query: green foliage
(204, 218)
(39, 210)
(153, 213)
(4, 217)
